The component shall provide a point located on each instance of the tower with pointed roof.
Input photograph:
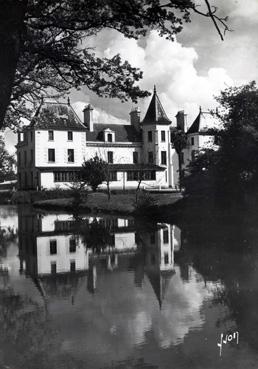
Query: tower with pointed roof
(199, 135)
(157, 147)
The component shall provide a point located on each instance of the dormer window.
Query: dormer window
(50, 135)
(109, 136)
(70, 135)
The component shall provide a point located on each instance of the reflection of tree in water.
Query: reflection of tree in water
(96, 235)
(23, 329)
(7, 235)
(226, 252)
(26, 339)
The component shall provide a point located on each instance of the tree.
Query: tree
(97, 236)
(94, 171)
(44, 48)
(179, 140)
(7, 163)
(238, 165)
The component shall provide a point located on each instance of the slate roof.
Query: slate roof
(57, 116)
(123, 133)
(203, 122)
(155, 112)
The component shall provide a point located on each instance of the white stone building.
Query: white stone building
(199, 134)
(53, 147)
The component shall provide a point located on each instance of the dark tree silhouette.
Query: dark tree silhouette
(94, 172)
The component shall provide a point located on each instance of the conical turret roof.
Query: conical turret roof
(155, 113)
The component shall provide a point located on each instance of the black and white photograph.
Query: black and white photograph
(128, 184)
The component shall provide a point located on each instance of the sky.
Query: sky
(188, 72)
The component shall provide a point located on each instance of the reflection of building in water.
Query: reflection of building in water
(55, 254)
(159, 246)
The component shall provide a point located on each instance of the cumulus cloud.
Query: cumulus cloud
(171, 67)
(99, 115)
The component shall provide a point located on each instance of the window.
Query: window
(31, 155)
(72, 266)
(19, 137)
(19, 158)
(52, 247)
(113, 176)
(53, 267)
(149, 136)
(166, 259)
(163, 157)
(109, 137)
(50, 135)
(192, 140)
(165, 235)
(135, 157)
(163, 136)
(70, 135)
(72, 245)
(147, 175)
(70, 155)
(51, 155)
(25, 158)
(150, 157)
(132, 176)
(153, 259)
(31, 179)
(31, 135)
(66, 176)
(110, 157)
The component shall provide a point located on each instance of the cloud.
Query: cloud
(115, 323)
(99, 115)
(171, 67)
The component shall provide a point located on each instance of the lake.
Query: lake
(84, 291)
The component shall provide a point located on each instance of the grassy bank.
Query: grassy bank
(123, 203)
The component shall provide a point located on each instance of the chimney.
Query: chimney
(88, 117)
(135, 118)
(181, 121)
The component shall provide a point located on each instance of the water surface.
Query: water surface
(115, 292)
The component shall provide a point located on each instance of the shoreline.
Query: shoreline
(118, 204)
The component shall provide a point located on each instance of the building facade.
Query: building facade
(51, 150)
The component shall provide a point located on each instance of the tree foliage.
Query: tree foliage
(94, 172)
(7, 163)
(97, 236)
(45, 51)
